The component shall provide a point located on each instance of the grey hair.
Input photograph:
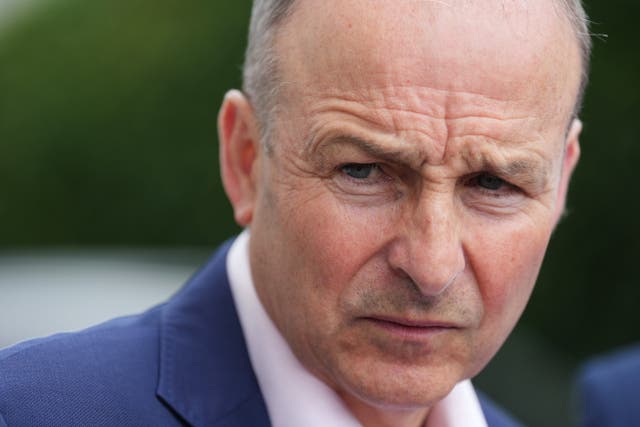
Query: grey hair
(261, 76)
(579, 20)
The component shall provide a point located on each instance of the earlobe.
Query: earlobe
(569, 162)
(239, 154)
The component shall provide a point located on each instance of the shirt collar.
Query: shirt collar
(295, 397)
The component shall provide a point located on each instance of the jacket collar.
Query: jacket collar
(205, 375)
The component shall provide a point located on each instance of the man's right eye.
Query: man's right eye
(490, 182)
(359, 170)
(364, 179)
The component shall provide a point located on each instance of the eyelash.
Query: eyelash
(506, 188)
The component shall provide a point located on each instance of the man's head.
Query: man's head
(418, 162)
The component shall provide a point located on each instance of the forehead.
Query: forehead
(517, 51)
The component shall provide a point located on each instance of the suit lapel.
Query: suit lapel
(205, 372)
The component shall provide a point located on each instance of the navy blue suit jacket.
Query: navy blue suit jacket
(609, 389)
(183, 363)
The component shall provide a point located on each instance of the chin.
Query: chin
(400, 387)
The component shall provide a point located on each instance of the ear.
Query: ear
(569, 162)
(239, 154)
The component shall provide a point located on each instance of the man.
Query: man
(399, 167)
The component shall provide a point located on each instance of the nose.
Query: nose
(428, 248)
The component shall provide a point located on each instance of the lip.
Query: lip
(410, 328)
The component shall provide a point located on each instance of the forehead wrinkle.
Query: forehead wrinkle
(514, 132)
(407, 108)
(387, 119)
(418, 100)
(354, 116)
(429, 100)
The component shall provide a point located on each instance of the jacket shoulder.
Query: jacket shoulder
(103, 375)
(608, 387)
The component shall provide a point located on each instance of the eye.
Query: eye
(359, 170)
(490, 182)
(492, 186)
(365, 179)
(492, 195)
(487, 187)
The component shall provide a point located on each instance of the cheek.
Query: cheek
(320, 246)
(337, 240)
(506, 261)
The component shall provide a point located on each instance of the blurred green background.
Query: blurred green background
(108, 138)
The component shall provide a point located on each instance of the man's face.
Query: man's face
(417, 172)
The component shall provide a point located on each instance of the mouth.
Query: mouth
(407, 328)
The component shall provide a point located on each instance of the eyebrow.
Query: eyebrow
(400, 156)
(524, 171)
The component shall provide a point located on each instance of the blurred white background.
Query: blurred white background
(46, 292)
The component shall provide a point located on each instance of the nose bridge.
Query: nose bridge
(429, 250)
